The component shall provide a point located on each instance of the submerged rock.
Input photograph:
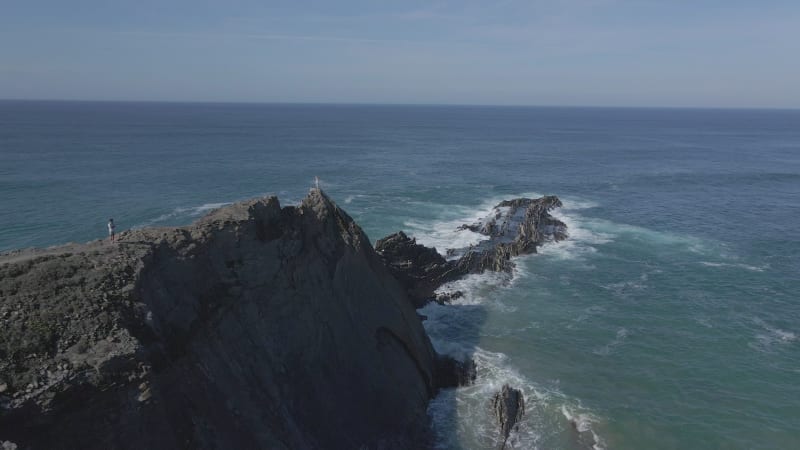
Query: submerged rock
(256, 327)
(509, 407)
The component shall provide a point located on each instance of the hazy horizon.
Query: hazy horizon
(366, 104)
(584, 53)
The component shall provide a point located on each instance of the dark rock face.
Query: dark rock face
(454, 373)
(515, 227)
(257, 327)
(509, 407)
(420, 269)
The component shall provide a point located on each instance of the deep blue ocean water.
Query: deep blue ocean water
(669, 319)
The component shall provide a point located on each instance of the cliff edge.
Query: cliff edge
(259, 326)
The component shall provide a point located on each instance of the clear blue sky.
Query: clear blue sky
(535, 52)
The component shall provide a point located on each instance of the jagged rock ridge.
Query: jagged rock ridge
(515, 227)
(508, 406)
(257, 327)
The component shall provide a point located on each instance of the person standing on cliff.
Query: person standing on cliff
(111, 228)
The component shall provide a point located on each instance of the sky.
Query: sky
(701, 53)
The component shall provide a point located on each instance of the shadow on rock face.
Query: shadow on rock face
(456, 368)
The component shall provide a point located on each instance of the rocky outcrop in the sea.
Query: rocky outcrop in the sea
(508, 406)
(257, 327)
(515, 227)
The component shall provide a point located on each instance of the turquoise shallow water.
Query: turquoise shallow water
(669, 319)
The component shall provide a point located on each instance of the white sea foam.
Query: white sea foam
(582, 422)
(704, 321)
(464, 415)
(625, 289)
(777, 334)
(188, 212)
(588, 235)
(735, 265)
(575, 204)
(582, 240)
(616, 229)
(349, 199)
(769, 335)
(443, 235)
(202, 209)
(585, 315)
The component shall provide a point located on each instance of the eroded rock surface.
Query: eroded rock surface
(257, 327)
(509, 407)
(420, 269)
(515, 227)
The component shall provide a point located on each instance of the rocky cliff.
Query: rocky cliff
(257, 327)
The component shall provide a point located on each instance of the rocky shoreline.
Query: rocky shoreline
(259, 326)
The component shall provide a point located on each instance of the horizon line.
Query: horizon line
(339, 103)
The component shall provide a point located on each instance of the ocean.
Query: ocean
(668, 320)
